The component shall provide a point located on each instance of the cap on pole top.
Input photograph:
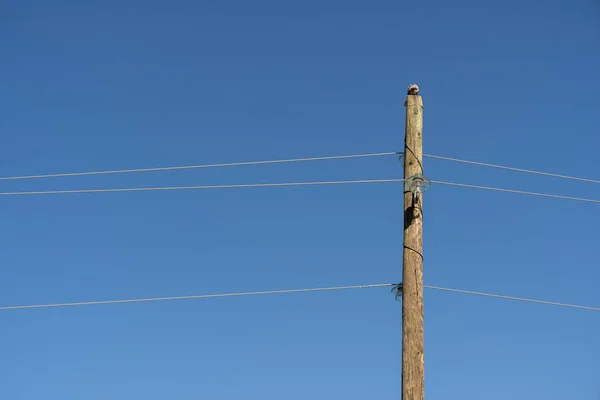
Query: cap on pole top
(413, 90)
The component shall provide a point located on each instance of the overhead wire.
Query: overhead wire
(528, 171)
(287, 291)
(202, 296)
(288, 184)
(290, 160)
(199, 187)
(554, 196)
(524, 299)
(199, 166)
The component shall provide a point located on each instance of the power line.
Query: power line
(321, 289)
(499, 296)
(289, 160)
(287, 184)
(528, 171)
(183, 167)
(168, 188)
(554, 196)
(202, 296)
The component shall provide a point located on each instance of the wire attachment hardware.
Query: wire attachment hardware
(418, 184)
(401, 158)
(397, 290)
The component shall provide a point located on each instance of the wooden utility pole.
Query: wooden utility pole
(413, 382)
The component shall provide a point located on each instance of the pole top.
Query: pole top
(413, 90)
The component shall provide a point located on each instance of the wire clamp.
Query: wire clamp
(397, 290)
(401, 158)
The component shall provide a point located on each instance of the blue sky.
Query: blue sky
(126, 84)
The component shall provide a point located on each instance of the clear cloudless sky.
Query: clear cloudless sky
(94, 85)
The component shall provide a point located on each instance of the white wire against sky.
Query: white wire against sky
(289, 184)
(202, 296)
(495, 189)
(500, 296)
(528, 171)
(321, 289)
(199, 166)
(199, 187)
(291, 160)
